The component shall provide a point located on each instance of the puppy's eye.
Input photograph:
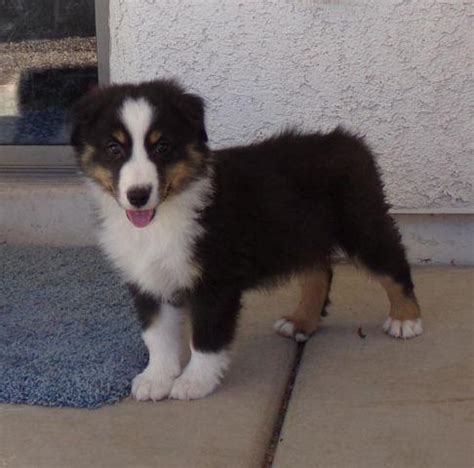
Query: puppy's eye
(114, 149)
(162, 147)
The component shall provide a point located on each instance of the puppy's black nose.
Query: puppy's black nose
(139, 195)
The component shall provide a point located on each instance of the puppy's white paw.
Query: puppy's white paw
(287, 328)
(403, 328)
(190, 386)
(201, 376)
(150, 385)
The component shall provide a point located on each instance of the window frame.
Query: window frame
(50, 162)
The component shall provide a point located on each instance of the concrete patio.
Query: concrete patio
(355, 402)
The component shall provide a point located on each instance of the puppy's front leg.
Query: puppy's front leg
(214, 316)
(162, 336)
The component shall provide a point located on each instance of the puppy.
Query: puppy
(190, 229)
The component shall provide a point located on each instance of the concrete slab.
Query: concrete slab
(231, 428)
(380, 402)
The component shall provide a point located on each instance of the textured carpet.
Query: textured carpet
(67, 333)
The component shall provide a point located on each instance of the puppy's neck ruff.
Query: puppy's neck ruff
(159, 257)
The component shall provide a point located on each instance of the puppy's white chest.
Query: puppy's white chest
(158, 258)
(157, 262)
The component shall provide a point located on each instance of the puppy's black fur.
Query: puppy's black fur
(279, 207)
(283, 206)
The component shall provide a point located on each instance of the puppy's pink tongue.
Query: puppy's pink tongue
(140, 218)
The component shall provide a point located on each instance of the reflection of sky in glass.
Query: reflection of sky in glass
(47, 60)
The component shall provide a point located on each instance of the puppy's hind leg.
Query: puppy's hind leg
(305, 319)
(404, 320)
(385, 257)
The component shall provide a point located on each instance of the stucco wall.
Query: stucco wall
(398, 71)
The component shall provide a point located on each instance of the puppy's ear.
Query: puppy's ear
(84, 113)
(193, 107)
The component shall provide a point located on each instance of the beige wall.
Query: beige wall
(398, 71)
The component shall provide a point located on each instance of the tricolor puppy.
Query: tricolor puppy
(190, 229)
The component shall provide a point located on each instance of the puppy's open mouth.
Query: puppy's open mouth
(141, 218)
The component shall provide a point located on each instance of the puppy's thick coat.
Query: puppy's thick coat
(191, 229)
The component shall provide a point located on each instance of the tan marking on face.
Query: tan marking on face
(195, 156)
(182, 173)
(120, 136)
(96, 172)
(402, 307)
(103, 176)
(153, 137)
(176, 177)
(314, 290)
(86, 156)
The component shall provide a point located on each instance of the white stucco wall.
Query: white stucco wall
(398, 71)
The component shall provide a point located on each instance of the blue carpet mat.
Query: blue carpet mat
(68, 336)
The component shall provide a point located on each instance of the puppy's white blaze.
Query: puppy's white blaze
(163, 340)
(201, 376)
(137, 116)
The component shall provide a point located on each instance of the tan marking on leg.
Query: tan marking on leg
(314, 289)
(120, 136)
(153, 137)
(401, 306)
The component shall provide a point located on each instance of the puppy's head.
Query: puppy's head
(142, 144)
